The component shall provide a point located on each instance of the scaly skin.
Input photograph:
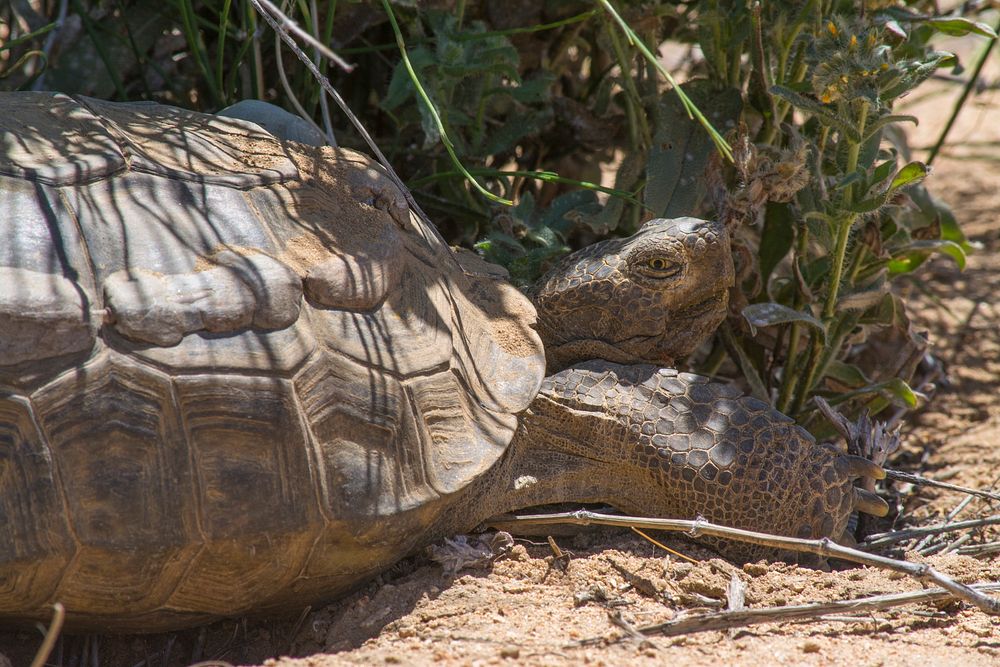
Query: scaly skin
(658, 442)
(650, 440)
(650, 298)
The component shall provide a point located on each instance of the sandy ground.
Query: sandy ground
(527, 609)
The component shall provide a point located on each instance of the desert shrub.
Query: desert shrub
(540, 101)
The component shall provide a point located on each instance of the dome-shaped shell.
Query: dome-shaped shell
(235, 373)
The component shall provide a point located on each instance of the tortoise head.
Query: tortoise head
(650, 298)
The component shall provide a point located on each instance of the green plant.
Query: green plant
(829, 246)
(563, 109)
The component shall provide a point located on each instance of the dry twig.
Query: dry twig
(901, 476)
(884, 539)
(824, 547)
(279, 28)
(269, 11)
(725, 620)
(58, 616)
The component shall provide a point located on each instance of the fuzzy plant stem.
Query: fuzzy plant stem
(816, 355)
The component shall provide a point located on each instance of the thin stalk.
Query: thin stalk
(820, 356)
(546, 176)
(220, 56)
(432, 110)
(689, 106)
(857, 263)
(578, 18)
(960, 103)
(633, 102)
(476, 36)
(234, 69)
(258, 55)
(720, 60)
(844, 232)
(324, 106)
(140, 58)
(799, 69)
(193, 39)
(789, 42)
(790, 378)
(100, 47)
(23, 39)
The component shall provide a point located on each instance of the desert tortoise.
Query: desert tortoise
(238, 374)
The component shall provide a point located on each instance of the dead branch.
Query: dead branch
(355, 121)
(824, 547)
(268, 10)
(58, 616)
(884, 539)
(725, 620)
(900, 476)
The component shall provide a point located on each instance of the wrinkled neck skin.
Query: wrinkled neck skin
(657, 442)
(545, 464)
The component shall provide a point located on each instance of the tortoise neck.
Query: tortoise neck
(549, 462)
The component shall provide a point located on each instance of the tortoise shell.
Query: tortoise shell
(235, 373)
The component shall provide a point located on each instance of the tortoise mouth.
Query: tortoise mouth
(701, 308)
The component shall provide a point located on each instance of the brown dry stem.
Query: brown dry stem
(58, 616)
(885, 539)
(824, 547)
(901, 476)
(725, 620)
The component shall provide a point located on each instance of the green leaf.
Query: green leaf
(882, 172)
(537, 88)
(776, 238)
(507, 135)
(915, 72)
(900, 390)
(935, 211)
(863, 299)
(913, 172)
(823, 113)
(914, 254)
(958, 26)
(884, 312)
(400, 86)
(568, 210)
(888, 119)
(848, 374)
(677, 159)
(750, 374)
(910, 174)
(853, 177)
(870, 204)
(771, 314)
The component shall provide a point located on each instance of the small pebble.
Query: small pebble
(511, 652)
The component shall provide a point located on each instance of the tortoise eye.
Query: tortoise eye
(661, 265)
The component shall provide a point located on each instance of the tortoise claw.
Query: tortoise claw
(859, 466)
(869, 503)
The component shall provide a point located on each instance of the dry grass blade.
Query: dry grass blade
(824, 547)
(58, 616)
(901, 476)
(884, 539)
(355, 121)
(726, 620)
(269, 10)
